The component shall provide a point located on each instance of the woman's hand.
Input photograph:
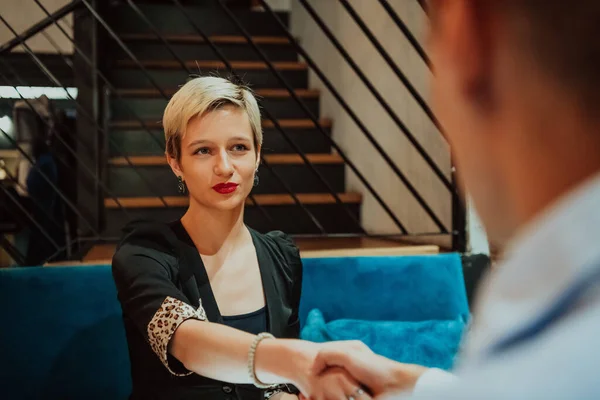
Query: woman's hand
(379, 374)
(335, 384)
(284, 396)
(327, 384)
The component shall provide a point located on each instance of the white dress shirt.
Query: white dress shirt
(543, 261)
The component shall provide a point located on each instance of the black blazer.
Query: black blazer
(158, 271)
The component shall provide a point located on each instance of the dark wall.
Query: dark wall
(475, 267)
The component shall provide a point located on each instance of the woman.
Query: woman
(197, 294)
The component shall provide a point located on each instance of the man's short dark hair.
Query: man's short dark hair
(563, 36)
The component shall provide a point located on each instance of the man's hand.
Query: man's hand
(379, 374)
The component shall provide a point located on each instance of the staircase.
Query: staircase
(135, 111)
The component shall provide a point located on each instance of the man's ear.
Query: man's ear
(462, 33)
(175, 166)
(473, 49)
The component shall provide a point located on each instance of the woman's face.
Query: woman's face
(218, 158)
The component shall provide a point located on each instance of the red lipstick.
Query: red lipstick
(225, 188)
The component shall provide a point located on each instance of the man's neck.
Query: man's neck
(555, 168)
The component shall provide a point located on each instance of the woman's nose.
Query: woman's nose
(223, 165)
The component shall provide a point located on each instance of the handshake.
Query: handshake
(351, 371)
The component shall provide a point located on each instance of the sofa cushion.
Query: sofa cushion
(432, 343)
(406, 288)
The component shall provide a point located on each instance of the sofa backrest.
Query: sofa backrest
(62, 336)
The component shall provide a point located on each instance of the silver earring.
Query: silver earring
(181, 185)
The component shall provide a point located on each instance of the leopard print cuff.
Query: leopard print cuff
(164, 323)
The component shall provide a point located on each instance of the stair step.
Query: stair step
(168, 18)
(267, 93)
(284, 123)
(197, 39)
(270, 158)
(138, 188)
(210, 64)
(261, 199)
(152, 176)
(136, 141)
(193, 47)
(126, 74)
(151, 105)
(283, 212)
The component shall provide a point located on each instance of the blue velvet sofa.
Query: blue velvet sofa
(62, 335)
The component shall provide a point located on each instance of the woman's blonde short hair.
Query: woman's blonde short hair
(199, 96)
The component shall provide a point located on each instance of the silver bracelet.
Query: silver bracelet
(251, 366)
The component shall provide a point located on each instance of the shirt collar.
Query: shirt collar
(541, 261)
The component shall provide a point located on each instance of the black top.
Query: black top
(254, 322)
(161, 281)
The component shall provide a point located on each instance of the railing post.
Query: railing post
(96, 115)
(459, 217)
(85, 34)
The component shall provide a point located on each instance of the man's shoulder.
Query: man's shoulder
(559, 363)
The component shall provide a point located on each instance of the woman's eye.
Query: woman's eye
(203, 150)
(240, 147)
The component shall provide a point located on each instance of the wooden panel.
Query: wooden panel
(207, 64)
(261, 199)
(352, 242)
(270, 158)
(370, 252)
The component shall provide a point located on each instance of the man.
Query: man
(517, 88)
